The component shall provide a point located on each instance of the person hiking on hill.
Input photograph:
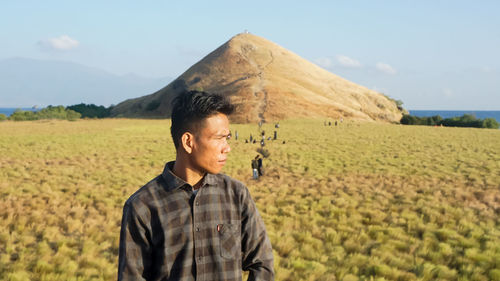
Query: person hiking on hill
(191, 222)
(259, 165)
(255, 167)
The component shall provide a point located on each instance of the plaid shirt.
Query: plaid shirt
(170, 233)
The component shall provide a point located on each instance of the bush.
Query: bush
(91, 110)
(20, 115)
(490, 123)
(50, 112)
(3, 117)
(264, 152)
(153, 105)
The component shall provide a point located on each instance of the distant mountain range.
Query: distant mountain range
(28, 82)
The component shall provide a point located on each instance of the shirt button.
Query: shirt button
(197, 203)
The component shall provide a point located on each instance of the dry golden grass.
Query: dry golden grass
(359, 201)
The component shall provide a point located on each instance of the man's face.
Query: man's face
(210, 144)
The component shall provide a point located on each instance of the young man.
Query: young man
(190, 222)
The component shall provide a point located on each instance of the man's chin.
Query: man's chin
(215, 170)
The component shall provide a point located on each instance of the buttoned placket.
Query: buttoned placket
(197, 236)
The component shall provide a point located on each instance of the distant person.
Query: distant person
(255, 167)
(262, 143)
(275, 135)
(246, 141)
(190, 222)
(277, 125)
(259, 166)
(251, 138)
(329, 123)
(254, 141)
(236, 135)
(335, 122)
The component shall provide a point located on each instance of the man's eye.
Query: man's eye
(228, 136)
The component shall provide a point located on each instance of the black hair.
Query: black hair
(191, 108)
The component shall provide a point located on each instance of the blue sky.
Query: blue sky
(429, 54)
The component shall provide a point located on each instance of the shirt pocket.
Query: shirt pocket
(229, 240)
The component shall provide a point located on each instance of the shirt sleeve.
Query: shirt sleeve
(256, 246)
(134, 260)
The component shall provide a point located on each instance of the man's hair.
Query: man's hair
(190, 109)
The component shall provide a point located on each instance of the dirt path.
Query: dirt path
(260, 93)
(262, 107)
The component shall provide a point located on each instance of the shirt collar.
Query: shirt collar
(174, 182)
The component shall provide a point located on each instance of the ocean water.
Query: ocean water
(481, 114)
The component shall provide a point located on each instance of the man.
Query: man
(255, 167)
(190, 222)
(259, 166)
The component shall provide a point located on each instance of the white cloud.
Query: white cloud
(348, 62)
(385, 68)
(61, 43)
(324, 62)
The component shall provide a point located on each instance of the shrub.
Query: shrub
(153, 105)
(20, 115)
(263, 152)
(50, 112)
(91, 110)
(3, 117)
(490, 123)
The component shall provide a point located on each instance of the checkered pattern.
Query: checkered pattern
(169, 233)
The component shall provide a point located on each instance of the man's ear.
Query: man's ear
(187, 142)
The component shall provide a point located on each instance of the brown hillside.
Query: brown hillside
(267, 82)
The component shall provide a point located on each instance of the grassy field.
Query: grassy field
(360, 201)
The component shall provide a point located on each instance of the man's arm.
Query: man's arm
(134, 261)
(255, 244)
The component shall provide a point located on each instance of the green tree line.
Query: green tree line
(72, 113)
(50, 112)
(466, 120)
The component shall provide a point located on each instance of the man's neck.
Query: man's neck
(189, 175)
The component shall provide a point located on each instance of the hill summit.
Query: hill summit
(266, 82)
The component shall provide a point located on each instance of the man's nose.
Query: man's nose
(227, 148)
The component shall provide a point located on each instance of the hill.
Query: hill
(267, 82)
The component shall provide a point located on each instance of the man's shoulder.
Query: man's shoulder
(147, 192)
(229, 183)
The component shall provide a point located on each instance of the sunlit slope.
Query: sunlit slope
(348, 202)
(267, 82)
